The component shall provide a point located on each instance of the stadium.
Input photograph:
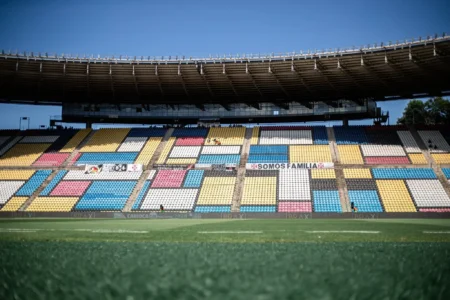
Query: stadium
(222, 185)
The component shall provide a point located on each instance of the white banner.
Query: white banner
(284, 166)
(94, 169)
(209, 166)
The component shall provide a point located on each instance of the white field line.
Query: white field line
(343, 231)
(14, 230)
(237, 232)
(436, 232)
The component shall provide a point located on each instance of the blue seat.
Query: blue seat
(365, 200)
(194, 178)
(141, 195)
(33, 183)
(106, 195)
(326, 201)
(213, 209)
(446, 172)
(268, 149)
(403, 173)
(350, 135)
(53, 183)
(257, 208)
(219, 159)
(190, 132)
(320, 135)
(268, 159)
(108, 157)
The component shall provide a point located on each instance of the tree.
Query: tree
(414, 113)
(438, 110)
(435, 111)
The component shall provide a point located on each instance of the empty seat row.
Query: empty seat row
(171, 199)
(326, 201)
(428, 193)
(312, 153)
(365, 200)
(213, 209)
(107, 158)
(406, 173)
(147, 132)
(295, 206)
(106, 140)
(226, 136)
(285, 137)
(258, 209)
(434, 140)
(132, 144)
(23, 154)
(169, 178)
(219, 159)
(190, 132)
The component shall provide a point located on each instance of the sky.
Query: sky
(203, 28)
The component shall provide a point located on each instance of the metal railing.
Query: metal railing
(309, 54)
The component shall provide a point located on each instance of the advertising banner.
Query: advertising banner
(286, 166)
(95, 169)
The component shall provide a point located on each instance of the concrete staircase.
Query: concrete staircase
(239, 186)
(332, 143)
(147, 169)
(136, 191)
(77, 149)
(159, 149)
(343, 191)
(38, 191)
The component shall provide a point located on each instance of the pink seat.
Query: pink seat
(70, 188)
(190, 141)
(169, 178)
(294, 206)
(400, 160)
(51, 159)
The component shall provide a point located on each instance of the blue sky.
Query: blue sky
(202, 28)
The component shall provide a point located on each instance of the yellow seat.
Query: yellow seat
(441, 158)
(52, 204)
(14, 203)
(217, 191)
(350, 155)
(323, 174)
(226, 136)
(106, 140)
(147, 152)
(395, 196)
(357, 173)
(309, 153)
(417, 159)
(259, 191)
(16, 174)
(181, 161)
(166, 150)
(73, 143)
(255, 136)
(23, 154)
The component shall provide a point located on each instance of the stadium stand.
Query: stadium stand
(437, 144)
(375, 145)
(19, 185)
(384, 189)
(284, 144)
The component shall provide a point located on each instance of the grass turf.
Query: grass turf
(217, 259)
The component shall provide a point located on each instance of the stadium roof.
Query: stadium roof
(414, 68)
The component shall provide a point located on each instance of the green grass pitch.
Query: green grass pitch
(224, 259)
